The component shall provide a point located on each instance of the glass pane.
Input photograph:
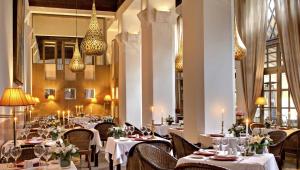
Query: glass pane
(284, 116)
(273, 77)
(273, 113)
(266, 113)
(267, 93)
(272, 57)
(284, 99)
(284, 83)
(293, 114)
(272, 64)
(266, 78)
(273, 86)
(291, 101)
(273, 99)
(272, 49)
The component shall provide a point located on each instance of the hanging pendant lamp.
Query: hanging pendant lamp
(93, 43)
(239, 47)
(76, 63)
(179, 58)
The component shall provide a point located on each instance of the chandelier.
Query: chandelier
(239, 47)
(93, 43)
(76, 63)
(179, 58)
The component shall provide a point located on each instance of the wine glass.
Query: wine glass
(127, 130)
(5, 152)
(27, 132)
(47, 154)
(148, 132)
(45, 133)
(241, 144)
(39, 151)
(40, 132)
(131, 129)
(216, 143)
(15, 152)
(225, 143)
(144, 129)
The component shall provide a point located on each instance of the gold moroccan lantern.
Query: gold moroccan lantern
(239, 47)
(179, 58)
(76, 63)
(93, 43)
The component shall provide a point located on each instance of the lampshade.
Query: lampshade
(261, 101)
(37, 100)
(93, 42)
(30, 99)
(51, 97)
(13, 97)
(76, 63)
(179, 58)
(107, 98)
(239, 47)
(93, 100)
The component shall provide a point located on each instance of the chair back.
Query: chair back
(278, 138)
(103, 129)
(256, 125)
(136, 130)
(133, 159)
(198, 166)
(292, 143)
(182, 147)
(27, 154)
(153, 158)
(81, 138)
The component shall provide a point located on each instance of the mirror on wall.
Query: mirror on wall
(49, 92)
(70, 93)
(89, 93)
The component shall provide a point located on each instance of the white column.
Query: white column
(208, 66)
(158, 69)
(130, 78)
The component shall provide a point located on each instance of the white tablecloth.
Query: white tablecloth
(118, 148)
(206, 140)
(176, 131)
(256, 162)
(49, 167)
(163, 130)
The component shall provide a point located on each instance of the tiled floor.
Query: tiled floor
(290, 164)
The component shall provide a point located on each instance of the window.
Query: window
(275, 88)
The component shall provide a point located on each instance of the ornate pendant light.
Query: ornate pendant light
(179, 58)
(76, 63)
(239, 47)
(93, 43)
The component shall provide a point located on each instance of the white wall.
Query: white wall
(6, 64)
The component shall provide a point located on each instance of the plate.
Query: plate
(33, 141)
(224, 157)
(196, 157)
(204, 153)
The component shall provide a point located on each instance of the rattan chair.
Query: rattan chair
(153, 158)
(136, 130)
(103, 129)
(133, 159)
(81, 138)
(256, 125)
(33, 134)
(198, 166)
(182, 147)
(276, 148)
(292, 145)
(27, 154)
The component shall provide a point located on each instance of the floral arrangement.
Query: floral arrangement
(116, 132)
(268, 122)
(55, 132)
(107, 119)
(170, 120)
(237, 129)
(259, 143)
(65, 151)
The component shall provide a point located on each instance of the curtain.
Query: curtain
(251, 16)
(288, 20)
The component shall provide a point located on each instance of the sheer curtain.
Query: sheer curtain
(251, 16)
(288, 20)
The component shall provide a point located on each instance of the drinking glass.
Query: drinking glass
(40, 132)
(15, 152)
(148, 132)
(5, 152)
(45, 133)
(216, 143)
(39, 150)
(131, 129)
(225, 143)
(144, 129)
(127, 130)
(27, 132)
(47, 154)
(241, 144)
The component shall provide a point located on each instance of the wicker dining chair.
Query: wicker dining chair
(256, 125)
(136, 130)
(292, 145)
(276, 148)
(81, 138)
(153, 158)
(103, 129)
(133, 159)
(27, 154)
(198, 166)
(182, 147)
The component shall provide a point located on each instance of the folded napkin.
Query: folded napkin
(30, 163)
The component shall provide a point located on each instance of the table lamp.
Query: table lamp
(13, 97)
(260, 102)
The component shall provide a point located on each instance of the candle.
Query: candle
(63, 114)
(117, 93)
(30, 115)
(222, 115)
(113, 93)
(68, 116)
(76, 109)
(247, 124)
(58, 114)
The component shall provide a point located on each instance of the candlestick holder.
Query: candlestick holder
(152, 129)
(222, 130)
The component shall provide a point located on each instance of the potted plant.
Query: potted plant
(259, 143)
(55, 132)
(116, 132)
(65, 151)
(268, 123)
(169, 120)
(237, 129)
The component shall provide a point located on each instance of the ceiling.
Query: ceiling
(101, 5)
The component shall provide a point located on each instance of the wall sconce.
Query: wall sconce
(51, 97)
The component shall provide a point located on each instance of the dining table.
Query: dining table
(117, 149)
(264, 161)
(163, 129)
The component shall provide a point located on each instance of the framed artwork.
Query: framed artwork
(49, 92)
(18, 41)
(70, 93)
(89, 93)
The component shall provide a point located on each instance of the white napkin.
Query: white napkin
(30, 163)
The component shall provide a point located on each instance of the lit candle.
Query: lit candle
(76, 109)
(63, 114)
(30, 115)
(247, 124)
(117, 93)
(222, 115)
(68, 116)
(58, 114)
(113, 93)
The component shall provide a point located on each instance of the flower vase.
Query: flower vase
(54, 137)
(237, 134)
(65, 162)
(259, 150)
(170, 123)
(116, 136)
